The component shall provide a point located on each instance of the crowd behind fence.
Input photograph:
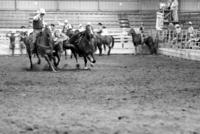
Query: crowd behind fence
(182, 40)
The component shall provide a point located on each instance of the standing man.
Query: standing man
(12, 36)
(174, 8)
(190, 30)
(38, 24)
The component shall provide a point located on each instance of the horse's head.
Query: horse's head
(89, 32)
(131, 32)
(47, 31)
(45, 36)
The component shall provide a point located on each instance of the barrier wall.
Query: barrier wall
(181, 53)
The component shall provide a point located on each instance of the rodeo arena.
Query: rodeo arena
(99, 67)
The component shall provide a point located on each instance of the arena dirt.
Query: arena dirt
(122, 94)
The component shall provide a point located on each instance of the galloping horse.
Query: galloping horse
(137, 40)
(83, 43)
(44, 47)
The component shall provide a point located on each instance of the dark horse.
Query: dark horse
(137, 40)
(105, 40)
(83, 45)
(44, 47)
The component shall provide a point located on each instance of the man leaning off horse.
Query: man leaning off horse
(38, 24)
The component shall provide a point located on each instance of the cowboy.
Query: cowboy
(38, 24)
(52, 29)
(81, 28)
(104, 31)
(100, 28)
(66, 26)
(23, 35)
(142, 32)
(89, 24)
(59, 38)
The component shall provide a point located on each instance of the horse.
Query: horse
(66, 46)
(44, 47)
(83, 45)
(105, 40)
(137, 40)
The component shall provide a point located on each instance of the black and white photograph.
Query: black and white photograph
(99, 66)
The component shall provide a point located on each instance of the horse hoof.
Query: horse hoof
(92, 64)
(86, 68)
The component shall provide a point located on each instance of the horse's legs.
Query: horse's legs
(100, 49)
(135, 50)
(30, 58)
(71, 55)
(104, 46)
(76, 58)
(91, 60)
(39, 60)
(58, 55)
(49, 62)
(85, 60)
(13, 51)
(65, 54)
(109, 50)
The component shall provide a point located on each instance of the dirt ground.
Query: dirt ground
(121, 94)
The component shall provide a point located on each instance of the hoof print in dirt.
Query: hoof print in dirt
(122, 117)
(29, 129)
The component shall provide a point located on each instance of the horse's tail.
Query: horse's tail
(113, 41)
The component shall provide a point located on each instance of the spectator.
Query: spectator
(170, 33)
(12, 36)
(169, 3)
(190, 30)
(174, 8)
(178, 32)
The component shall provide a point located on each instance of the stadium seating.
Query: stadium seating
(16, 19)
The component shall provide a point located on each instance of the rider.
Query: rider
(100, 28)
(90, 25)
(142, 32)
(81, 28)
(66, 26)
(104, 31)
(38, 24)
(53, 29)
(59, 38)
